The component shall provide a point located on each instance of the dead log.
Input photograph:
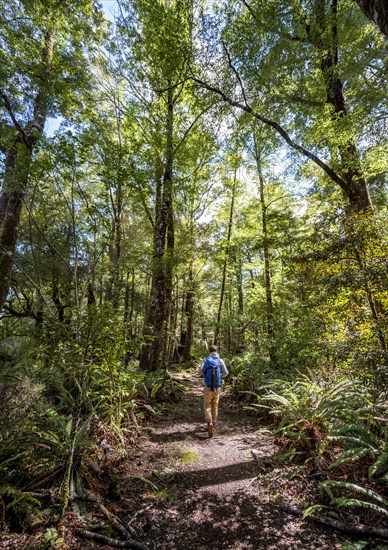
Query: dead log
(114, 543)
(358, 530)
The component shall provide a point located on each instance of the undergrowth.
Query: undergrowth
(332, 423)
(69, 407)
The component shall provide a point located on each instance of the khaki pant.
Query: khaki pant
(210, 404)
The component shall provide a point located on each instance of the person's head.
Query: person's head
(212, 348)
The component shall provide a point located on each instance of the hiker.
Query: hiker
(213, 370)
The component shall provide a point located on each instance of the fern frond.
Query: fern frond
(351, 455)
(357, 488)
(352, 440)
(359, 429)
(361, 503)
(311, 509)
(380, 466)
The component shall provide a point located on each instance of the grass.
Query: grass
(187, 456)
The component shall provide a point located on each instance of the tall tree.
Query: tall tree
(39, 71)
(272, 82)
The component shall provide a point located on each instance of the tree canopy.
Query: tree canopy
(218, 174)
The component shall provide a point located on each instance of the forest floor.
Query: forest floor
(184, 491)
(221, 493)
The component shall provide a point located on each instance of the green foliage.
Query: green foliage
(19, 501)
(303, 318)
(250, 374)
(359, 545)
(306, 409)
(363, 440)
(187, 456)
(52, 539)
(375, 502)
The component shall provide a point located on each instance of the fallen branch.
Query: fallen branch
(136, 514)
(363, 530)
(114, 543)
(115, 522)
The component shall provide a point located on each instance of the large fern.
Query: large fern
(363, 441)
(307, 409)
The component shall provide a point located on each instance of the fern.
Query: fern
(361, 503)
(378, 504)
(21, 499)
(351, 455)
(361, 442)
(380, 466)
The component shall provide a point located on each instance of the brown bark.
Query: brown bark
(171, 333)
(358, 530)
(57, 300)
(114, 543)
(240, 292)
(113, 291)
(189, 314)
(153, 353)
(376, 11)
(129, 301)
(8, 238)
(187, 320)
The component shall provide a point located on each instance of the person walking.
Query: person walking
(213, 370)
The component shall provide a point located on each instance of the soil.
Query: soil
(184, 491)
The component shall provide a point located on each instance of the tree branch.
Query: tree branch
(249, 8)
(279, 129)
(235, 72)
(28, 277)
(188, 130)
(9, 110)
(114, 543)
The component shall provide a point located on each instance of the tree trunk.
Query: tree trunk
(17, 169)
(172, 325)
(267, 261)
(239, 280)
(8, 239)
(57, 300)
(355, 186)
(153, 352)
(356, 190)
(226, 258)
(189, 317)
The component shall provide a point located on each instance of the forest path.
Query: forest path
(214, 493)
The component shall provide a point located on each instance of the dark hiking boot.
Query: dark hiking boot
(210, 429)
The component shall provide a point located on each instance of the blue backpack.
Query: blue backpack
(212, 373)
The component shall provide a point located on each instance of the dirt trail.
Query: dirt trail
(214, 493)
